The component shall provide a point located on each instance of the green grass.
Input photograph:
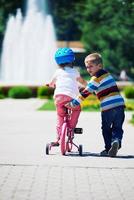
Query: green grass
(129, 104)
(132, 119)
(92, 108)
(49, 105)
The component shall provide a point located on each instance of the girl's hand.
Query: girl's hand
(50, 85)
(47, 84)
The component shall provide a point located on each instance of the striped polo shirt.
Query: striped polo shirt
(104, 86)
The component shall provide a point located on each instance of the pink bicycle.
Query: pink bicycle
(67, 136)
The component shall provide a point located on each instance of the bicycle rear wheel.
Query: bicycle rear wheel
(47, 148)
(63, 139)
(69, 143)
(80, 149)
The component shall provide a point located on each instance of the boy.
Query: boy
(112, 103)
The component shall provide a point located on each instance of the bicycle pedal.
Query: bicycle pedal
(78, 130)
(55, 144)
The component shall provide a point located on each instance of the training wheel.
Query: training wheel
(47, 148)
(80, 149)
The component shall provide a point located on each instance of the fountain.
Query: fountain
(28, 47)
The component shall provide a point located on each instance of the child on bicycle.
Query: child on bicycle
(65, 80)
(112, 103)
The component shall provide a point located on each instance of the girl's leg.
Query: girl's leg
(60, 101)
(74, 117)
(60, 119)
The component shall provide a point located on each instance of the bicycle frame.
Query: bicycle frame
(67, 134)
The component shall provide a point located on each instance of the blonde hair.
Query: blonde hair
(97, 58)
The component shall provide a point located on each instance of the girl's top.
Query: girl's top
(66, 82)
(104, 86)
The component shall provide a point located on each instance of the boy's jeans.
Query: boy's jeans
(112, 121)
(60, 101)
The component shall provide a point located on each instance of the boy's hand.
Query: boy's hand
(72, 104)
(81, 89)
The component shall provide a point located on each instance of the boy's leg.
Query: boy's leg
(112, 120)
(107, 129)
(117, 131)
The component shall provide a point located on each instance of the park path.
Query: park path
(27, 173)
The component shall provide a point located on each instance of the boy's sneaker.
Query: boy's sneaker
(55, 144)
(114, 148)
(104, 153)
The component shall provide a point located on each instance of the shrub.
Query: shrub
(129, 92)
(20, 92)
(91, 104)
(132, 120)
(2, 96)
(45, 92)
(129, 105)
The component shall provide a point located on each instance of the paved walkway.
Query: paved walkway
(26, 173)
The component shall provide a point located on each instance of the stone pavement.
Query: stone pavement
(26, 173)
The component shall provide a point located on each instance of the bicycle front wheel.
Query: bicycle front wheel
(63, 139)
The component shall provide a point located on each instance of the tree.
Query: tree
(6, 8)
(102, 25)
(107, 27)
(64, 15)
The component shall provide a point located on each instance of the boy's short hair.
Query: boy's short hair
(97, 58)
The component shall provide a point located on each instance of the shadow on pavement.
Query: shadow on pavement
(85, 154)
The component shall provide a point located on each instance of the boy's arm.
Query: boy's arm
(90, 89)
(76, 102)
(82, 81)
(82, 96)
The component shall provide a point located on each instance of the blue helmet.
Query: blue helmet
(64, 55)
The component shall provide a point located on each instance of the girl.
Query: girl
(65, 80)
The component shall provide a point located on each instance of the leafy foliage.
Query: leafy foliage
(20, 92)
(2, 96)
(132, 119)
(129, 105)
(91, 104)
(107, 27)
(7, 8)
(64, 14)
(129, 92)
(45, 92)
(102, 25)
